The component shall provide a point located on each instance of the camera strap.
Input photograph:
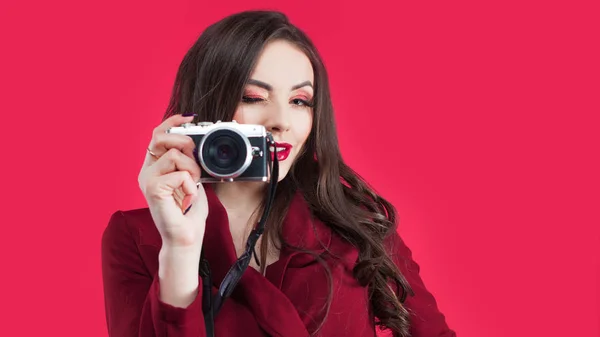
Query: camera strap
(212, 306)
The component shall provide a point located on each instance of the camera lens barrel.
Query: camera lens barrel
(225, 152)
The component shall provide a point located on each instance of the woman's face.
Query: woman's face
(279, 96)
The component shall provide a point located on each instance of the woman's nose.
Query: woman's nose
(278, 120)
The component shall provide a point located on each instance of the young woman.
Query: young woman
(330, 262)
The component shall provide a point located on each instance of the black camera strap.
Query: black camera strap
(210, 305)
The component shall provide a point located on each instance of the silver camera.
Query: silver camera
(228, 151)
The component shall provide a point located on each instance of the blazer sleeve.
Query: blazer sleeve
(131, 293)
(426, 318)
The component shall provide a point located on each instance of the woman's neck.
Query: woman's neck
(241, 201)
(240, 198)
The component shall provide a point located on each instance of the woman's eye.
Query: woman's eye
(301, 102)
(251, 99)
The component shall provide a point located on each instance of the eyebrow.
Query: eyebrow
(268, 87)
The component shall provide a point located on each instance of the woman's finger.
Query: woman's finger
(164, 186)
(175, 120)
(174, 160)
(161, 141)
(178, 195)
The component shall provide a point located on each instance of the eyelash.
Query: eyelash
(247, 99)
(299, 102)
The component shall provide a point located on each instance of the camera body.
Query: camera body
(228, 151)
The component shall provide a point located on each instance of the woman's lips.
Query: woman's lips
(283, 151)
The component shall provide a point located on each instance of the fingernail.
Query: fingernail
(189, 114)
(186, 203)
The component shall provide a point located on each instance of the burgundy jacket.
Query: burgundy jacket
(287, 302)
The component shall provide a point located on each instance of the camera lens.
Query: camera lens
(225, 153)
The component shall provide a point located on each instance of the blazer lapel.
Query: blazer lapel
(274, 312)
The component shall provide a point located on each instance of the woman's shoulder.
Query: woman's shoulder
(134, 223)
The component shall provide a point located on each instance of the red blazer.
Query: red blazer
(287, 302)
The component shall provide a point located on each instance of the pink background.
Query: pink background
(477, 119)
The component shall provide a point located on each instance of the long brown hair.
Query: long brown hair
(210, 82)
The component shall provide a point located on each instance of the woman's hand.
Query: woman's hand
(168, 179)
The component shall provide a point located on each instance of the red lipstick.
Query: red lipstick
(283, 151)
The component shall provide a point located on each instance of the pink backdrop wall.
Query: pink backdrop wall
(473, 118)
